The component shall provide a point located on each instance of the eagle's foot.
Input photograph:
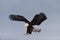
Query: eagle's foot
(36, 30)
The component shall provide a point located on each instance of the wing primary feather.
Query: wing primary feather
(18, 18)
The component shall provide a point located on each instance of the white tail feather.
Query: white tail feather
(26, 34)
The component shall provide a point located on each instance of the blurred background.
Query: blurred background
(14, 30)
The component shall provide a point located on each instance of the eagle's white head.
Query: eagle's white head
(26, 24)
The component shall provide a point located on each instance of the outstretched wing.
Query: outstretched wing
(18, 18)
(38, 19)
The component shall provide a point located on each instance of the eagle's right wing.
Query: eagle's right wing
(38, 19)
(18, 18)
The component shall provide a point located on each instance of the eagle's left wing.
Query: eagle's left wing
(18, 18)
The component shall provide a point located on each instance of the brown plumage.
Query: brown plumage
(37, 20)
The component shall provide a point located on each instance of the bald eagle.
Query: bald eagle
(37, 20)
